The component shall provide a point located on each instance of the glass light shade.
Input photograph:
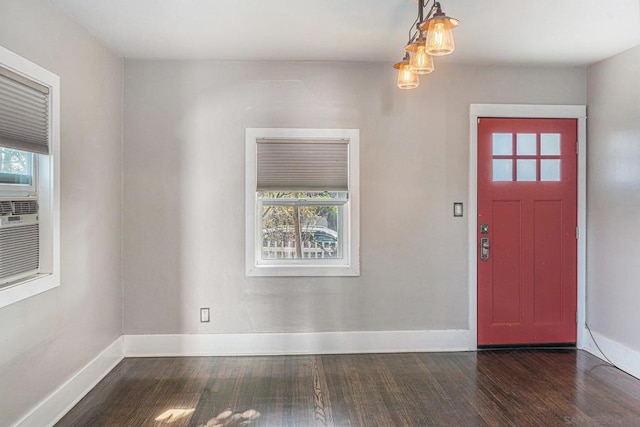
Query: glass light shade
(421, 62)
(407, 79)
(440, 35)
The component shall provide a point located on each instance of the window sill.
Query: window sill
(27, 288)
(302, 271)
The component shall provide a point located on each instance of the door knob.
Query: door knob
(484, 248)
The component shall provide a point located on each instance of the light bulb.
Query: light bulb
(421, 62)
(407, 79)
(438, 30)
(440, 36)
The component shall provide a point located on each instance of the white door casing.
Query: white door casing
(526, 111)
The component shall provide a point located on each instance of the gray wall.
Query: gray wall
(614, 198)
(184, 181)
(45, 339)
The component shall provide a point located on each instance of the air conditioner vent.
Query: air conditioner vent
(25, 207)
(19, 251)
(5, 207)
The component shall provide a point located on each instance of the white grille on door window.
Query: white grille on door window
(529, 157)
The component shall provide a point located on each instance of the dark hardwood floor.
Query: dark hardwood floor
(495, 388)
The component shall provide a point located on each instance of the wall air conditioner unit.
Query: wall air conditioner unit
(19, 240)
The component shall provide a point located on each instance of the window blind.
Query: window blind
(302, 165)
(24, 113)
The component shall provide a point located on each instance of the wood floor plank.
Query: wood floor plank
(487, 388)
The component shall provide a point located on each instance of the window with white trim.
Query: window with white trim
(302, 202)
(29, 220)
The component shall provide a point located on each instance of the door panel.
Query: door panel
(547, 256)
(506, 240)
(527, 197)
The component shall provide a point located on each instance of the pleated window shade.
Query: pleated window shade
(302, 165)
(24, 113)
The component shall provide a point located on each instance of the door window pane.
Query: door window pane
(526, 144)
(550, 144)
(502, 144)
(502, 170)
(526, 170)
(550, 170)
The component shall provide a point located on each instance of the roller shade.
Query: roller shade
(24, 113)
(302, 165)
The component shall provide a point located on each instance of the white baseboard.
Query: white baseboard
(295, 343)
(58, 403)
(622, 356)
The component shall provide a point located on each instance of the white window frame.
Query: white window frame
(349, 264)
(48, 191)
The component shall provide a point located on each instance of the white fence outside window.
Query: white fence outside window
(283, 250)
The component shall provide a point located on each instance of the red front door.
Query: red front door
(527, 217)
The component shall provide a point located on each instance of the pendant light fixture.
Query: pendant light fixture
(430, 36)
(420, 61)
(439, 33)
(407, 78)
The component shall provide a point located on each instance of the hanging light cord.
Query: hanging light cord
(412, 35)
(598, 347)
(414, 30)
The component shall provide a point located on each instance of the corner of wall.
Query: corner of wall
(52, 408)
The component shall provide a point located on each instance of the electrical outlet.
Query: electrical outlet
(204, 315)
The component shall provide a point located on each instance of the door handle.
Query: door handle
(484, 248)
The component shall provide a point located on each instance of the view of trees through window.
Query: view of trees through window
(301, 225)
(15, 166)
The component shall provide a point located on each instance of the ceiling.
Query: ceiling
(522, 32)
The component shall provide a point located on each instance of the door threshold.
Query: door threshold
(547, 346)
